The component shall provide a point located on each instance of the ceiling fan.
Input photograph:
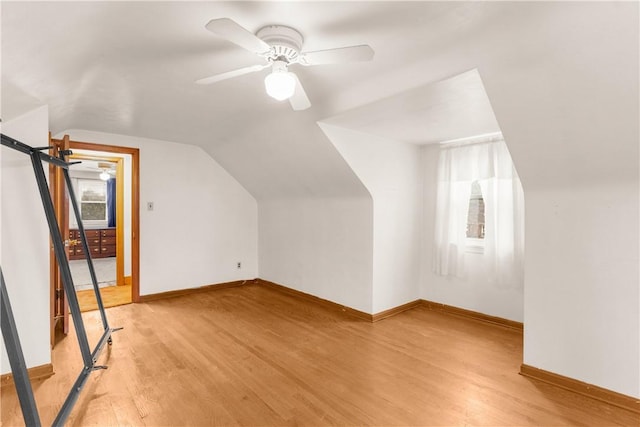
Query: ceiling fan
(106, 169)
(280, 46)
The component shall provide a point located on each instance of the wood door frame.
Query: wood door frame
(119, 161)
(59, 305)
(135, 204)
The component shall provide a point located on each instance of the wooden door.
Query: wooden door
(59, 302)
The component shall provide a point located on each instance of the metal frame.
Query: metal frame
(16, 359)
(9, 331)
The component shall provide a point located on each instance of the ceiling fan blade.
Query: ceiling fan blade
(336, 56)
(299, 101)
(232, 31)
(231, 74)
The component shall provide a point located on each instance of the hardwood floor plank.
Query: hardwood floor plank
(253, 356)
(112, 296)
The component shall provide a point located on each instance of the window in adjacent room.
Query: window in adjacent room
(93, 199)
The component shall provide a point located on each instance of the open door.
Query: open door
(59, 303)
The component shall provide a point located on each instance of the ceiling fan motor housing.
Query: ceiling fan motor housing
(285, 42)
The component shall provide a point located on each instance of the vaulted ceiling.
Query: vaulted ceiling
(129, 68)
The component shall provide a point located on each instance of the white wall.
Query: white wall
(581, 291)
(390, 170)
(203, 221)
(319, 246)
(571, 120)
(475, 291)
(25, 240)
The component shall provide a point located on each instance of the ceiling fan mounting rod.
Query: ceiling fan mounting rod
(279, 66)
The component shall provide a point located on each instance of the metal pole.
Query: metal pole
(9, 142)
(85, 245)
(16, 359)
(61, 256)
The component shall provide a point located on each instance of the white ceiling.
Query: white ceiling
(129, 68)
(457, 107)
(92, 165)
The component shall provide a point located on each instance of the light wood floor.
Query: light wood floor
(112, 296)
(253, 356)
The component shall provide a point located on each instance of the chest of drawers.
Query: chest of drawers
(102, 243)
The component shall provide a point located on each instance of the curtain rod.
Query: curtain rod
(477, 139)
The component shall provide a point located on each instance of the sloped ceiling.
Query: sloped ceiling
(454, 108)
(129, 68)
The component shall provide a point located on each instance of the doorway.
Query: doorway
(112, 238)
(99, 185)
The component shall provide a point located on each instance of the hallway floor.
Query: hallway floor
(105, 269)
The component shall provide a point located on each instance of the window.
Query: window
(93, 199)
(475, 216)
(479, 210)
(475, 220)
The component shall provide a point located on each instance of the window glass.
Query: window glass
(93, 199)
(475, 216)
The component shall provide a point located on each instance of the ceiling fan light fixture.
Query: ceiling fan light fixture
(280, 85)
(104, 176)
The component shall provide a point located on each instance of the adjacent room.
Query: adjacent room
(323, 213)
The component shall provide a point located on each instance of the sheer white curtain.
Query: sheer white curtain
(490, 164)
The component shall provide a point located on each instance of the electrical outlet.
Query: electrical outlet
(149, 206)
(239, 264)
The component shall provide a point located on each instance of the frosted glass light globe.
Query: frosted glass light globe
(280, 85)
